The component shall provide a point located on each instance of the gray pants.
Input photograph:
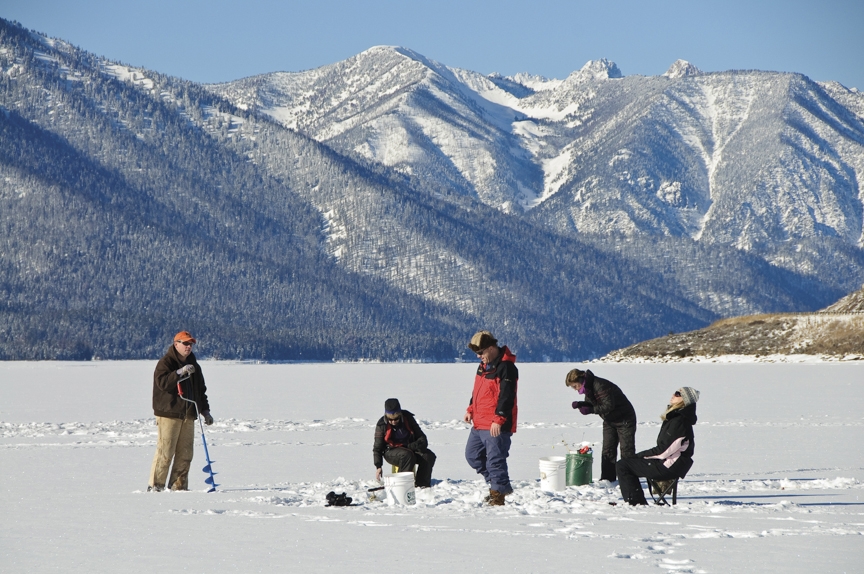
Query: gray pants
(174, 441)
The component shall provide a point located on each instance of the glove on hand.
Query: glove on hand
(186, 370)
(584, 408)
(208, 420)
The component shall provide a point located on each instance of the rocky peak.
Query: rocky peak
(602, 69)
(681, 68)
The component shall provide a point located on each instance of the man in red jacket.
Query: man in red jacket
(492, 411)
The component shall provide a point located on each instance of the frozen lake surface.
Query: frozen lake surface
(776, 484)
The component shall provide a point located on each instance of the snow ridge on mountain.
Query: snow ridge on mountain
(135, 202)
(768, 163)
(328, 213)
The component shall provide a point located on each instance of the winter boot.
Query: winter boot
(488, 497)
(495, 498)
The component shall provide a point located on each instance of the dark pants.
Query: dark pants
(613, 434)
(630, 469)
(488, 456)
(405, 459)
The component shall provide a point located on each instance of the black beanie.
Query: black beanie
(392, 406)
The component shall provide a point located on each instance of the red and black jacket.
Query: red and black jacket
(494, 397)
(416, 440)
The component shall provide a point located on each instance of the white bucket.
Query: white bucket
(553, 473)
(400, 489)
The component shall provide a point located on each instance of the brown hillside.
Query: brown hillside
(836, 331)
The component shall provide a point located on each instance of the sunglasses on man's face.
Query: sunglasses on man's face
(186, 343)
(393, 418)
(677, 393)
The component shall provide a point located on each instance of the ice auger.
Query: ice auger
(211, 480)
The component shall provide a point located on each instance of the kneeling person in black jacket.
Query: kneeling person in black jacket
(400, 441)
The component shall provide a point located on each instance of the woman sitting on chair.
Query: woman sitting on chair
(673, 455)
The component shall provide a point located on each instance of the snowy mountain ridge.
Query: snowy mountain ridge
(362, 93)
(467, 199)
(134, 201)
(767, 163)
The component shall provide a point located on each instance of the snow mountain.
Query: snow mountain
(137, 203)
(765, 163)
(385, 208)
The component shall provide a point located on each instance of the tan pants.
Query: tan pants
(174, 440)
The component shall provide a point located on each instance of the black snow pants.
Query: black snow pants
(630, 469)
(405, 459)
(614, 433)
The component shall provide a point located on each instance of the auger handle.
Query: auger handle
(180, 387)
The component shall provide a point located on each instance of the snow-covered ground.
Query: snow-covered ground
(776, 485)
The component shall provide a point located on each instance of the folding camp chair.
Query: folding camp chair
(659, 489)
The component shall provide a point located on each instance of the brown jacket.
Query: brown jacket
(166, 401)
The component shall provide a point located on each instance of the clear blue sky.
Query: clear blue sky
(219, 40)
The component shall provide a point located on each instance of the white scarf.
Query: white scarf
(671, 454)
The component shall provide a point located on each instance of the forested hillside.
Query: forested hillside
(741, 186)
(135, 204)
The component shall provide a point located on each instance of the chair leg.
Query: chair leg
(661, 492)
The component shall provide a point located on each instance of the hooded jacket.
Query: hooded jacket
(678, 424)
(166, 400)
(607, 400)
(494, 397)
(416, 440)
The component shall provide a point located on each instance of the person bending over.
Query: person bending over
(604, 398)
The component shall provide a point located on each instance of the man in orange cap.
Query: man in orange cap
(175, 418)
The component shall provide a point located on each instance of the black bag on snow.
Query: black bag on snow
(334, 499)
